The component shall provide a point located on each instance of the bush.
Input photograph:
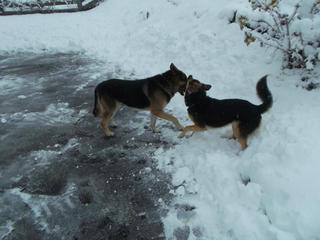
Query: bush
(292, 28)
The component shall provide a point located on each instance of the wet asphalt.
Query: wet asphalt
(60, 177)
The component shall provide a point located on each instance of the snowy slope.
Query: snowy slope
(282, 199)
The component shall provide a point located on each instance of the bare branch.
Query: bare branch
(267, 23)
(279, 47)
(288, 35)
(313, 8)
(277, 24)
(297, 6)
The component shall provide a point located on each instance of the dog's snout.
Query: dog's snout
(206, 86)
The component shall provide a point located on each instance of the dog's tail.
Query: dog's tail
(264, 94)
(95, 108)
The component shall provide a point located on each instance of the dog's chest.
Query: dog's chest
(196, 115)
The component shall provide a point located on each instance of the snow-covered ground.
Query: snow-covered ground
(268, 191)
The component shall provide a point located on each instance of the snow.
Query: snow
(209, 172)
(6, 229)
(55, 113)
(39, 206)
(44, 157)
(282, 178)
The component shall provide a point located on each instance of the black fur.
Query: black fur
(136, 93)
(264, 94)
(207, 111)
(95, 109)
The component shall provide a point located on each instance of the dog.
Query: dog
(206, 112)
(151, 94)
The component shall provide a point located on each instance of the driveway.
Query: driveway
(61, 178)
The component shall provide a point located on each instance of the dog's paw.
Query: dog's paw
(229, 137)
(109, 134)
(190, 135)
(156, 130)
(113, 125)
(180, 127)
(185, 134)
(181, 135)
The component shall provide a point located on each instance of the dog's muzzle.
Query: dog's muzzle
(181, 92)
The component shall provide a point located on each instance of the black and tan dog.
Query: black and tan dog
(151, 94)
(206, 112)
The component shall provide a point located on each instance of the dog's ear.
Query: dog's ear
(173, 67)
(190, 77)
(206, 87)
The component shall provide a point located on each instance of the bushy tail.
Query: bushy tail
(95, 108)
(264, 94)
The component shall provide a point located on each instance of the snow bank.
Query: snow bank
(281, 199)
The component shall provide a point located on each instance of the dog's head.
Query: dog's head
(194, 86)
(178, 78)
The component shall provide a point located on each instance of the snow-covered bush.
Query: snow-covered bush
(293, 27)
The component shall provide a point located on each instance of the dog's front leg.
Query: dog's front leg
(191, 128)
(167, 116)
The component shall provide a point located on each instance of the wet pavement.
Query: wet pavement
(60, 177)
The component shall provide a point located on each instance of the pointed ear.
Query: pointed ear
(173, 67)
(190, 77)
(206, 87)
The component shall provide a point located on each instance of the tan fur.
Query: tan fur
(107, 109)
(237, 135)
(234, 129)
(191, 128)
(158, 103)
(243, 143)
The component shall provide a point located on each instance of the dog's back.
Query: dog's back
(217, 113)
(128, 92)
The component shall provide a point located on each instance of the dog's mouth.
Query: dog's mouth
(182, 89)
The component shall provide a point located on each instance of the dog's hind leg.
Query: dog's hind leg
(243, 142)
(245, 128)
(153, 120)
(234, 129)
(237, 135)
(109, 107)
(113, 123)
(106, 118)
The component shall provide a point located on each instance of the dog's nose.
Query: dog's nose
(206, 86)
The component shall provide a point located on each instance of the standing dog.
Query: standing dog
(151, 94)
(206, 112)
